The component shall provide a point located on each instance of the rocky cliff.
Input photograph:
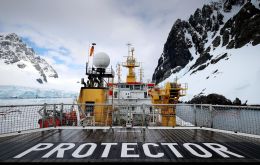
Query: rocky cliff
(216, 41)
(14, 52)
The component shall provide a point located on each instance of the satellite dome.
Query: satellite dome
(101, 60)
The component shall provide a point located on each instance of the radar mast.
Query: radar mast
(130, 64)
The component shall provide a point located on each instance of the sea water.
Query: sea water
(36, 101)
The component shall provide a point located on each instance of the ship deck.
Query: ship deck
(129, 145)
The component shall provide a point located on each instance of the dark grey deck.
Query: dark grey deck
(249, 148)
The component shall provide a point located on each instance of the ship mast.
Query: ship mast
(118, 69)
(141, 72)
(130, 64)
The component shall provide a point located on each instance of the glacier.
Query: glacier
(21, 92)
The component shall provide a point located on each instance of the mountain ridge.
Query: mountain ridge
(14, 51)
(198, 49)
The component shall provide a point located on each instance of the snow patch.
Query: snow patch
(240, 76)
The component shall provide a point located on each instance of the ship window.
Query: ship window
(122, 86)
(145, 94)
(115, 94)
(131, 87)
(127, 86)
(137, 87)
(90, 108)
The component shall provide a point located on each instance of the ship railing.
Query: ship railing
(107, 71)
(19, 118)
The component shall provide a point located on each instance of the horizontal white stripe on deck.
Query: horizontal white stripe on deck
(27, 131)
(53, 128)
(118, 127)
(85, 127)
(138, 131)
(174, 128)
(231, 132)
(209, 129)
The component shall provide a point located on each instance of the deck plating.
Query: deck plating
(129, 145)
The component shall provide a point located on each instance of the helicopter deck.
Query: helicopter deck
(129, 145)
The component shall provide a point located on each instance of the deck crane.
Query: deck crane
(170, 94)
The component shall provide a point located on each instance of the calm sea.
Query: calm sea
(36, 101)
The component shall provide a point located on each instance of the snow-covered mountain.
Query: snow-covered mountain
(216, 50)
(19, 62)
(26, 75)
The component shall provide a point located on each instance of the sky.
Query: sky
(61, 31)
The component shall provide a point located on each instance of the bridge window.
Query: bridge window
(137, 87)
(115, 94)
(89, 108)
(145, 94)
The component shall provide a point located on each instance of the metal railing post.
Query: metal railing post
(195, 115)
(211, 116)
(54, 115)
(153, 115)
(112, 115)
(201, 112)
(44, 114)
(143, 108)
(61, 112)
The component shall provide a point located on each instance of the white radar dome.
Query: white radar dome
(101, 60)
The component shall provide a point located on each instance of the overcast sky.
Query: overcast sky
(61, 30)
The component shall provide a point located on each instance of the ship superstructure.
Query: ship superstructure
(127, 99)
(131, 91)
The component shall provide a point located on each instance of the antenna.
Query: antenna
(130, 64)
(141, 71)
(132, 50)
(118, 69)
(129, 46)
(176, 79)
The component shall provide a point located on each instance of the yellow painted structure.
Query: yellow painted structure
(96, 96)
(131, 64)
(169, 95)
(131, 75)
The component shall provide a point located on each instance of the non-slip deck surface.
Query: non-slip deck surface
(126, 145)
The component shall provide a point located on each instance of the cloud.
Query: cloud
(66, 28)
